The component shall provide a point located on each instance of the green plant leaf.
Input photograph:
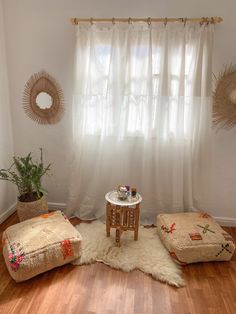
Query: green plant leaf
(26, 174)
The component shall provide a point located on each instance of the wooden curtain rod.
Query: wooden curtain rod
(149, 20)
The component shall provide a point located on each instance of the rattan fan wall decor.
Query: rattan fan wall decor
(224, 99)
(38, 83)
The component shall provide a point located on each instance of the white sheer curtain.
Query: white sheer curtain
(141, 116)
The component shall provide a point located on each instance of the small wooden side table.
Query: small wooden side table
(122, 215)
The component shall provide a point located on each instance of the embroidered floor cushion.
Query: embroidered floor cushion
(39, 244)
(194, 237)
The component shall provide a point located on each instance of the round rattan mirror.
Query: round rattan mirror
(224, 99)
(43, 99)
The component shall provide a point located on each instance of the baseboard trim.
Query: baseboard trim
(225, 221)
(222, 221)
(12, 209)
(7, 213)
(56, 206)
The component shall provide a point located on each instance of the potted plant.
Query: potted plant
(27, 174)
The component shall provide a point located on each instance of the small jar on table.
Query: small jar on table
(122, 215)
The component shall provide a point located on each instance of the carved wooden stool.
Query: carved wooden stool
(122, 215)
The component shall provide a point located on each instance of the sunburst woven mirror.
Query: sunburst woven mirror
(224, 99)
(43, 99)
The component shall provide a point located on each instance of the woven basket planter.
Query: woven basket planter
(27, 210)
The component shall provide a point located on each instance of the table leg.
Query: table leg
(136, 226)
(124, 223)
(108, 219)
(118, 232)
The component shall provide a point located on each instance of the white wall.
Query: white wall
(7, 191)
(39, 36)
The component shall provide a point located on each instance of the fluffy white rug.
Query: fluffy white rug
(147, 254)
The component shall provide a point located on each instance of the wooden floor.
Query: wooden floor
(210, 288)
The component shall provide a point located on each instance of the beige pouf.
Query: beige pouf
(194, 237)
(39, 244)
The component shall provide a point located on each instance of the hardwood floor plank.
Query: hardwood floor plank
(88, 289)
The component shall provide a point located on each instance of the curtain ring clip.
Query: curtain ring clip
(185, 21)
(166, 21)
(129, 20)
(91, 21)
(113, 21)
(149, 21)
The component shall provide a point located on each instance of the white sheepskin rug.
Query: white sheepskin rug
(147, 254)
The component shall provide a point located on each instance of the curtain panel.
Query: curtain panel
(141, 116)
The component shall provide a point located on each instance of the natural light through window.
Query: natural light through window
(142, 93)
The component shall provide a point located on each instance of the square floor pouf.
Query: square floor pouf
(39, 244)
(194, 237)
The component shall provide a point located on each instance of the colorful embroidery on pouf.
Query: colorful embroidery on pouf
(46, 215)
(174, 256)
(195, 236)
(67, 249)
(169, 230)
(227, 237)
(16, 256)
(204, 215)
(225, 247)
(206, 228)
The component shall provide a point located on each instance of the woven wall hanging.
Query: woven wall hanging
(224, 98)
(43, 99)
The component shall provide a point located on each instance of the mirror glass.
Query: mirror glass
(44, 100)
